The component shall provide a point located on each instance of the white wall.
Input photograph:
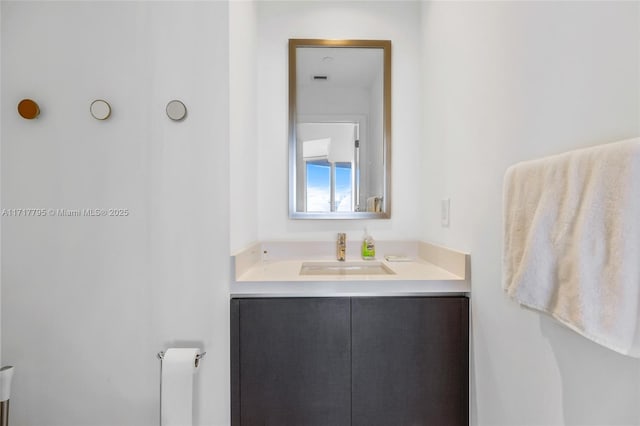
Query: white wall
(243, 129)
(511, 81)
(279, 21)
(88, 302)
(1, 68)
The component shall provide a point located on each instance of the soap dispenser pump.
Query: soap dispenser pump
(368, 246)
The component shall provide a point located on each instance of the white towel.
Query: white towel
(572, 240)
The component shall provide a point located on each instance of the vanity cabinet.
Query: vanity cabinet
(350, 361)
(292, 362)
(410, 361)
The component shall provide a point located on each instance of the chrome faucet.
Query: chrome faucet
(341, 246)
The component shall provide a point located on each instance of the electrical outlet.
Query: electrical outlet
(444, 212)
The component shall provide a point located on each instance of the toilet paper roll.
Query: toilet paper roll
(176, 394)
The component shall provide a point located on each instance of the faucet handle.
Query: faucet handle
(341, 246)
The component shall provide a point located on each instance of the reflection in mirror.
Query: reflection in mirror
(339, 129)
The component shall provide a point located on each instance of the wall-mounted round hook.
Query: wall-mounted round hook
(28, 109)
(176, 110)
(100, 110)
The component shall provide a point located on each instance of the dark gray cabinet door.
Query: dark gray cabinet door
(294, 364)
(410, 362)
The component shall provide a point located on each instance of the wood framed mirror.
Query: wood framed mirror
(339, 129)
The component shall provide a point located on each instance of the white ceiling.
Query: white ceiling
(348, 66)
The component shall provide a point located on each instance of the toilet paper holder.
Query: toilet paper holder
(197, 361)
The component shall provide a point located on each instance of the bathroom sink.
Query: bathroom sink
(345, 268)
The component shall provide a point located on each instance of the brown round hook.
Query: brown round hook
(28, 109)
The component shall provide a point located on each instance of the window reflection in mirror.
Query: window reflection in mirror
(339, 128)
(329, 153)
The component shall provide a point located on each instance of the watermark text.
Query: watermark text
(49, 212)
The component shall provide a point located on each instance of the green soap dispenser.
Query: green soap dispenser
(368, 246)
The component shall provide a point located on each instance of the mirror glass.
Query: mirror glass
(339, 129)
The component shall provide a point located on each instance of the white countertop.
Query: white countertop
(272, 269)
